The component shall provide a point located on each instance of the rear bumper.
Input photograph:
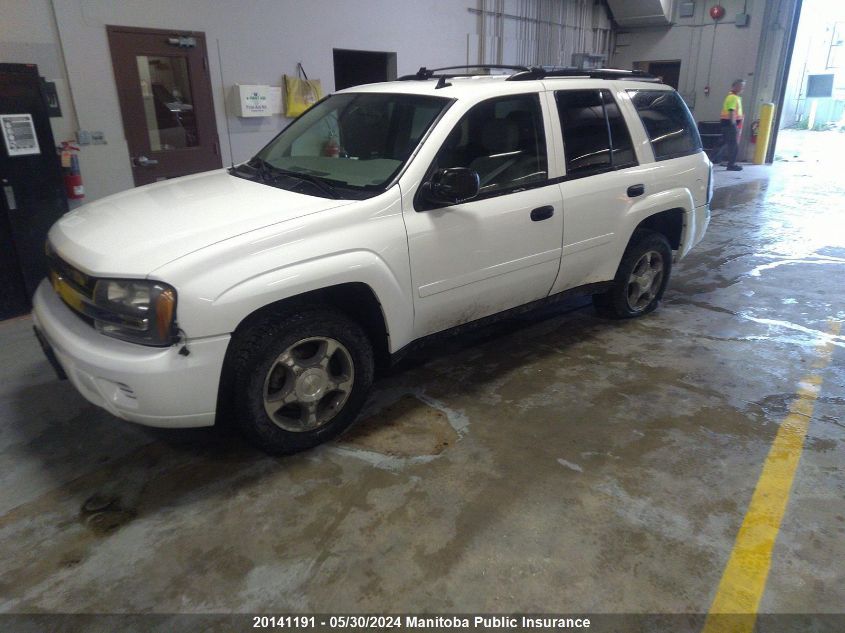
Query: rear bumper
(147, 385)
(696, 227)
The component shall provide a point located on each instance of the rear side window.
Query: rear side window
(595, 136)
(668, 123)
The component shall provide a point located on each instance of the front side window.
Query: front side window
(501, 139)
(668, 123)
(595, 136)
(348, 144)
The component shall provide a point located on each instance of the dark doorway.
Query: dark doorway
(353, 68)
(668, 71)
(165, 100)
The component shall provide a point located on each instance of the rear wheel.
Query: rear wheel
(300, 379)
(641, 278)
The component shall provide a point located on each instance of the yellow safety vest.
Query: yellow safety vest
(732, 102)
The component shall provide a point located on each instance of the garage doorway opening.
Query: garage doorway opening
(812, 119)
(353, 68)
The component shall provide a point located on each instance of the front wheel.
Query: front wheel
(300, 379)
(641, 278)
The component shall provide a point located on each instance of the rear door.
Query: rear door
(603, 180)
(501, 249)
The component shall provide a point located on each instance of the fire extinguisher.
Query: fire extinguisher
(332, 147)
(74, 189)
(755, 130)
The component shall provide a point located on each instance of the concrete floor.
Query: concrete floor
(553, 463)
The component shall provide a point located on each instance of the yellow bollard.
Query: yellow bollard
(764, 133)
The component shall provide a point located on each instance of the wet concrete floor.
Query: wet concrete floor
(556, 462)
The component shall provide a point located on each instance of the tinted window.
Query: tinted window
(668, 123)
(501, 139)
(595, 136)
(620, 139)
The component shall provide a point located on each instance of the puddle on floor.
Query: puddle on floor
(408, 427)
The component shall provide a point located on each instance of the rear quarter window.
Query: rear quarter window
(668, 123)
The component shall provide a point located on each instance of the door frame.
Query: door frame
(129, 107)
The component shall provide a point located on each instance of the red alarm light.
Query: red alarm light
(717, 12)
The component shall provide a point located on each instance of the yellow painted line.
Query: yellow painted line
(744, 578)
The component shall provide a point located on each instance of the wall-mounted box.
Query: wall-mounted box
(252, 100)
(820, 86)
(686, 9)
(742, 19)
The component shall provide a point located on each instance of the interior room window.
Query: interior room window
(503, 140)
(668, 123)
(595, 136)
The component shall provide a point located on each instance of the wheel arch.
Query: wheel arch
(670, 223)
(357, 300)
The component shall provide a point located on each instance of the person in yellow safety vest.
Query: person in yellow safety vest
(731, 118)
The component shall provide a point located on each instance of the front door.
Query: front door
(501, 249)
(166, 102)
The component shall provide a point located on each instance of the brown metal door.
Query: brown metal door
(165, 99)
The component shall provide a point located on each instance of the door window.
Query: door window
(503, 140)
(595, 135)
(168, 105)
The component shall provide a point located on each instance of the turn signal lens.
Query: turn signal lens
(165, 307)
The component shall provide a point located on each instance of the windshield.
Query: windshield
(353, 142)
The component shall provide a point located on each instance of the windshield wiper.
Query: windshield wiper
(271, 173)
(317, 182)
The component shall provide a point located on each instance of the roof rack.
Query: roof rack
(431, 73)
(595, 73)
(526, 73)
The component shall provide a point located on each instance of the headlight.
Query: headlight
(135, 310)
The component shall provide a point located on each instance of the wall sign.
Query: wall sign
(19, 134)
(255, 100)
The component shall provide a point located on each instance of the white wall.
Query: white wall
(257, 41)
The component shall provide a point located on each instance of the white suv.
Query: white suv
(387, 213)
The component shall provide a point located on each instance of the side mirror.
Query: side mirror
(452, 185)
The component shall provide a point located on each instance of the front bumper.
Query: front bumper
(149, 385)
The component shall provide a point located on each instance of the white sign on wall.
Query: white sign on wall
(19, 134)
(257, 100)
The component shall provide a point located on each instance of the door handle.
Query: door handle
(542, 213)
(636, 190)
(143, 161)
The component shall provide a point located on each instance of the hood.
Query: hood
(132, 233)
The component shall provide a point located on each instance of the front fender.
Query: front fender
(239, 301)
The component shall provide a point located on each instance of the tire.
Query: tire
(648, 258)
(300, 378)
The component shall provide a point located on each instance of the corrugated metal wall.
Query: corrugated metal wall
(538, 32)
